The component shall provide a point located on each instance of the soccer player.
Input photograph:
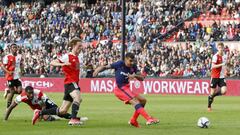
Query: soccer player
(12, 65)
(217, 75)
(124, 72)
(70, 66)
(36, 100)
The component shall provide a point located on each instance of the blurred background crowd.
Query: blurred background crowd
(171, 38)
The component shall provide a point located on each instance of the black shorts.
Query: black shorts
(220, 82)
(14, 83)
(50, 104)
(68, 89)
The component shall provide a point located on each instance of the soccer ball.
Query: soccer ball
(203, 122)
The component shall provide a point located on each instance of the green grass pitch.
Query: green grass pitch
(108, 116)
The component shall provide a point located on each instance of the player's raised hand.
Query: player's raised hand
(131, 76)
(10, 72)
(224, 63)
(95, 73)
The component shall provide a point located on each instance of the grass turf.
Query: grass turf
(108, 116)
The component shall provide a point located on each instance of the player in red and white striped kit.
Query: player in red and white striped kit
(35, 99)
(71, 68)
(12, 64)
(219, 61)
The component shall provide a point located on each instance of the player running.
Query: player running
(12, 65)
(217, 75)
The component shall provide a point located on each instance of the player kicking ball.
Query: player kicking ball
(125, 71)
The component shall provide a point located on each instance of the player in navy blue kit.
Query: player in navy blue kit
(125, 71)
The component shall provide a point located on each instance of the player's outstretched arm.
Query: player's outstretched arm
(137, 76)
(9, 110)
(58, 63)
(100, 69)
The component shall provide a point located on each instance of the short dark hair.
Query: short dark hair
(129, 55)
(29, 89)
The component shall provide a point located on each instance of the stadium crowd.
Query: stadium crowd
(42, 33)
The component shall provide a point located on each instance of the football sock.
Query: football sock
(210, 101)
(51, 111)
(219, 93)
(75, 109)
(141, 111)
(66, 116)
(135, 115)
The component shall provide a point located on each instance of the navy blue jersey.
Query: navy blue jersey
(122, 72)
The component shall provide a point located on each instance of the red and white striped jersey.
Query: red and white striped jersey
(39, 99)
(71, 71)
(12, 63)
(218, 72)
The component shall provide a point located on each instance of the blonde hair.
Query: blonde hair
(73, 42)
(220, 44)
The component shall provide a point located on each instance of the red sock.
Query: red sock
(142, 112)
(135, 115)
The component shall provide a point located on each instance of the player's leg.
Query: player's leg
(67, 101)
(64, 107)
(51, 111)
(6, 91)
(75, 109)
(223, 90)
(126, 95)
(49, 118)
(63, 112)
(11, 93)
(142, 101)
(141, 111)
(223, 86)
(18, 85)
(214, 92)
(15, 86)
(51, 105)
(76, 102)
(213, 86)
(58, 111)
(73, 95)
(210, 99)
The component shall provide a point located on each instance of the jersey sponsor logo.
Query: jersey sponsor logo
(123, 73)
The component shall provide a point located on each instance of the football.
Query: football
(203, 122)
